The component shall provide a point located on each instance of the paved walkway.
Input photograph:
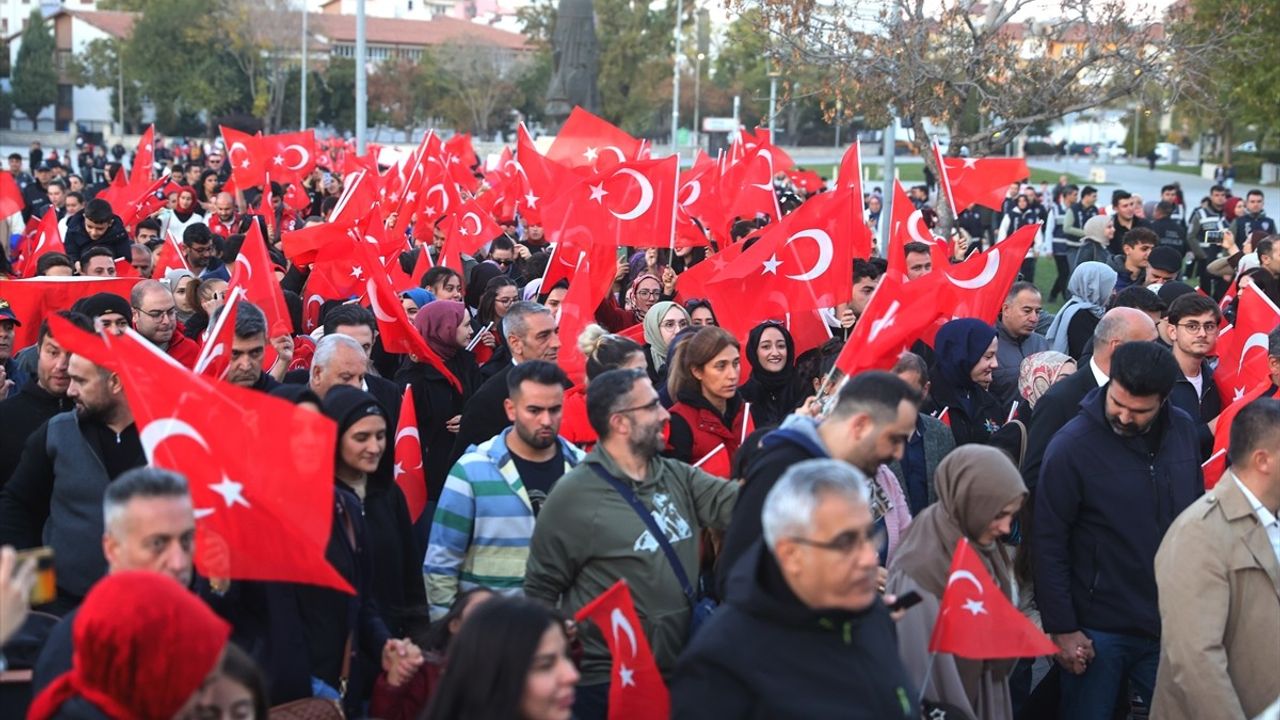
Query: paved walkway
(1134, 178)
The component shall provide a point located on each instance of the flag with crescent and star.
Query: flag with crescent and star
(979, 181)
(254, 271)
(636, 689)
(746, 187)
(632, 204)
(593, 275)
(699, 213)
(907, 225)
(35, 299)
(11, 200)
(590, 144)
(1216, 465)
(1242, 348)
(46, 239)
(975, 619)
(215, 355)
(263, 508)
(977, 286)
(244, 157)
(407, 446)
(143, 170)
(897, 314)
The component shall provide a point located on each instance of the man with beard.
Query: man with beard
(1112, 481)
(40, 398)
(626, 511)
(55, 494)
(155, 317)
(492, 497)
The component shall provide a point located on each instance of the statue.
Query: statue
(575, 61)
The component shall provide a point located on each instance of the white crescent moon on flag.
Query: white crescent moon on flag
(646, 195)
(479, 224)
(965, 575)
(206, 360)
(407, 432)
(231, 151)
(914, 224)
(988, 272)
(1256, 340)
(826, 251)
(444, 196)
(768, 183)
(304, 157)
(372, 289)
(243, 262)
(618, 620)
(157, 431)
(622, 157)
(695, 192)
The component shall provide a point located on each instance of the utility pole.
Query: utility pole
(302, 110)
(886, 204)
(675, 81)
(362, 91)
(120, 88)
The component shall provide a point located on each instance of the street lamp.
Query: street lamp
(774, 74)
(675, 82)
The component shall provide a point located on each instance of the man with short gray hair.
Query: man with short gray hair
(249, 347)
(803, 632)
(338, 360)
(530, 332)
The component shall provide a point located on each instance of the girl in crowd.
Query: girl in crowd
(238, 693)
(186, 212)
(444, 326)
(510, 661)
(207, 189)
(661, 324)
(774, 389)
(1071, 331)
(645, 290)
(414, 300)
(183, 284)
(700, 313)
(499, 295)
(708, 421)
(979, 494)
(965, 356)
(603, 351)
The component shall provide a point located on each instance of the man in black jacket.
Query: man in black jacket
(97, 224)
(874, 415)
(1062, 401)
(1113, 480)
(804, 633)
(1192, 325)
(531, 334)
(41, 398)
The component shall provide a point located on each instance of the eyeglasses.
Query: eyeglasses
(648, 293)
(504, 301)
(647, 406)
(846, 542)
(675, 324)
(157, 314)
(1195, 328)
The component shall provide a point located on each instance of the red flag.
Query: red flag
(945, 416)
(143, 170)
(851, 177)
(303, 246)
(11, 200)
(979, 181)
(592, 143)
(979, 284)
(975, 619)
(897, 314)
(295, 197)
(699, 200)
(144, 202)
(747, 187)
(255, 272)
(244, 156)
(35, 299)
(170, 257)
(632, 204)
(47, 240)
(117, 193)
(543, 178)
(1242, 349)
(398, 334)
(407, 446)
(292, 155)
(264, 510)
(907, 226)
(806, 180)
(636, 689)
(459, 151)
(215, 354)
(125, 268)
(1216, 465)
(471, 228)
(590, 283)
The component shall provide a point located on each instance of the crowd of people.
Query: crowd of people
(764, 511)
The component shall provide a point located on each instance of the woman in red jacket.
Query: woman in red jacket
(708, 421)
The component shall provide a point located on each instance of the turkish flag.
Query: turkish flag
(295, 197)
(1216, 465)
(303, 246)
(407, 446)
(979, 181)
(317, 289)
(975, 619)
(245, 157)
(11, 200)
(124, 268)
(255, 272)
(35, 299)
(398, 334)
(117, 193)
(636, 689)
(632, 204)
(591, 144)
(896, 316)
(749, 141)
(264, 509)
(977, 286)
(543, 178)
(1242, 348)
(746, 187)
(692, 283)
(170, 257)
(292, 155)
(215, 354)
(592, 277)
(804, 262)
(944, 415)
(47, 239)
(471, 227)
(699, 199)
(850, 176)
(907, 225)
(459, 151)
(806, 180)
(143, 170)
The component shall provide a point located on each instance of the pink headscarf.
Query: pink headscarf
(438, 323)
(1039, 371)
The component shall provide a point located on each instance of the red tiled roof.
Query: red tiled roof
(419, 33)
(114, 23)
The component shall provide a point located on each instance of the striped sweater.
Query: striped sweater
(482, 526)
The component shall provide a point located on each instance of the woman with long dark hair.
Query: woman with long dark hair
(239, 691)
(708, 419)
(509, 662)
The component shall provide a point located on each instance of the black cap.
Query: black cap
(347, 405)
(1173, 290)
(1165, 258)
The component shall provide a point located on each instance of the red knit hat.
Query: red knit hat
(143, 645)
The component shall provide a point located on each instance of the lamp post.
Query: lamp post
(362, 91)
(697, 102)
(774, 73)
(675, 81)
(302, 103)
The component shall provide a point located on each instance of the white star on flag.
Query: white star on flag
(975, 607)
(394, 197)
(719, 263)
(627, 675)
(244, 163)
(409, 196)
(598, 192)
(357, 272)
(771, 265)
(397, 471)
(531, 200)
(230, 491)
(278, 160)
(881, 324)
(970, 163)
(590, 154)
(1238, 395)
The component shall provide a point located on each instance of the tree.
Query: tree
(337, 94)
(35, 80)
(483, 80)
(263, 38)
(98, 65)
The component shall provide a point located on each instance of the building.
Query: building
(73, 30)
(334, 35)
(499, 14)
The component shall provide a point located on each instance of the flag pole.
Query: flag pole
(675, 203)
(946, 181)
(928, 671)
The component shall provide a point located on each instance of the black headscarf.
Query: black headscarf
(773, 394)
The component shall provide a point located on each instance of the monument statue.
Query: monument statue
(575, 63)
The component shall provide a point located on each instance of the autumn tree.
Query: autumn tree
(264, 38)
(483, 81)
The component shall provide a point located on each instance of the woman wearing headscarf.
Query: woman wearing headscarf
(661, 324)
(644, 292)
(185, 213)
(1039, 372)
(1072, 328)
(1098, 232)
(964, 359)
(444, 326)
(980, 491)
(144, 646)
(773, 389)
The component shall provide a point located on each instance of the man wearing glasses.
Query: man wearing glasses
(1192, 326)
(591, 531)
(155, 317)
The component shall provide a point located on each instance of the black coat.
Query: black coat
(483, 416)
(973, 419)
(20, 415)
(77, 240)
(435, 401)
(397, 560)
(1202, 409)
(764, 654)
(1054, 409)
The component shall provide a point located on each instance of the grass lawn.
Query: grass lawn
(1046, 273)
(1184, 169)
(914, 173)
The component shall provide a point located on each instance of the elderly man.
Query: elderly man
(141, 260)
(626, 511)
(1218, 573)
(155, 317)
(1016, 338)
(148, 525)
(803, 633)
(338, 360)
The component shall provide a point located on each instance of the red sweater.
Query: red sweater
(183, 349)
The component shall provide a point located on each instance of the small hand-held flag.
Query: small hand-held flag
(408, 451)
(636, 689)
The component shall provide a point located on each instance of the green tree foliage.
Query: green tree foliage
(99, 65)
(337, 89)
(35, 81)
